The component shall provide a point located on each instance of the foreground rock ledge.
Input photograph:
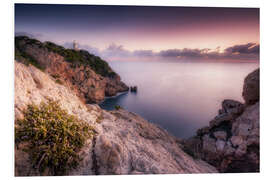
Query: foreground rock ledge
(125, 143)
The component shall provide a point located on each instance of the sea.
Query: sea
(179, 96)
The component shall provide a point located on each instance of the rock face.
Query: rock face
(231, 141)
(251, 90)
(124, 144)
(90, 85)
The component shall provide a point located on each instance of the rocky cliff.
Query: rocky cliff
(124, 142)
(231, 141)
(87, 75)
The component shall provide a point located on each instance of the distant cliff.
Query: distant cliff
(124, 142)
(88, 75)
(231, 142)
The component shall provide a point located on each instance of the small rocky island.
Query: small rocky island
(120, 142)
(133, 89)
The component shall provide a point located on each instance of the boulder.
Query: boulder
(251, 89)
(232, 107)
(236, 140)
(220, 145)
(219, 119)
(230, 104)
(209, 144)
(202, 131)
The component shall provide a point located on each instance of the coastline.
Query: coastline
(124, 143)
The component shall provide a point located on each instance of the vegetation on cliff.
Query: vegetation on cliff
(22, 56)
(53, 137)
(80, 57)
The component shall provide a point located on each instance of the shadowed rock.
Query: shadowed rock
(251, 89)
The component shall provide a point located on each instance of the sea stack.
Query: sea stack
(133, 88)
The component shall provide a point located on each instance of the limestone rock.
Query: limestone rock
(209, 144)
(230, 104)
(232, 107)
(202, 131)
(220, 145)
(251, 89)
(236, 140)
(220, 119)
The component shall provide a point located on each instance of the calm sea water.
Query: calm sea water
(179, 96)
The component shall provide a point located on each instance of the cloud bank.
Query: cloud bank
(248, 51)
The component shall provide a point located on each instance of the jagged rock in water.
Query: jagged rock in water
(133, 89)
(231, 141)
(125, 143)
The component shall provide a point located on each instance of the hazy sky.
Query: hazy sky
(151, 30)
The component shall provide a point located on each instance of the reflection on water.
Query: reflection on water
(180, 97)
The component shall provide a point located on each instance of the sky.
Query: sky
(145, 31)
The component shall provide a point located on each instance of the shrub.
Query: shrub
(22, 56)
(58, 81)
(99, 119)
(53, 136)
(117, 107)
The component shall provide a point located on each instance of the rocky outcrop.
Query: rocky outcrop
(231, 141)
(251, 90)
(133, 88)
(125, 143)
(87, 75)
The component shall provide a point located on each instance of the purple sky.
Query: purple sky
(129, 32)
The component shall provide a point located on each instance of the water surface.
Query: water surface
(179, 96)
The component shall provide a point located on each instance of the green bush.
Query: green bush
(27, 59)
(58, 81)
(117, 107)
(100, 119)
(53, 136)
(22, 56)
